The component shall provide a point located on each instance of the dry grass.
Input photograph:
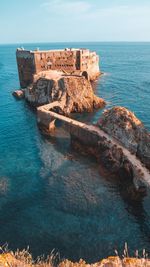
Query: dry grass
(24, 259)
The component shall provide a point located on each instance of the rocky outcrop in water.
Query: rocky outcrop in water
(74, 93)
(123, 125)
(19, 94)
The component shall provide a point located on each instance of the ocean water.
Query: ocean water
(53, 197)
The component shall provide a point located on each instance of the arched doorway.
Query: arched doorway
(85, 74)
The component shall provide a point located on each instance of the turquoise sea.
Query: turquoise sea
(52, 197)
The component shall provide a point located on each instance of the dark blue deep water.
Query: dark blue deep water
(52, 197)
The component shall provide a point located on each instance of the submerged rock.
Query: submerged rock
(75, 93)
(19, 94)
(124, 126)
(4, 185)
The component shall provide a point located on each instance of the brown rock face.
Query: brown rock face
(74, 93)
(123, 125)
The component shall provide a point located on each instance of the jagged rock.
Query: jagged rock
(75, 93)
(123, 125)
(19, 94)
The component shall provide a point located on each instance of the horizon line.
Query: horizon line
(63, 42)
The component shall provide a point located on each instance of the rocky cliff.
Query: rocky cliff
(123, 125)
(74, 93)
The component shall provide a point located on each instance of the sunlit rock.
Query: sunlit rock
(74, 93)
(123, 125)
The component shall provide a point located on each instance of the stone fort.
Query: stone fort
(69, 61)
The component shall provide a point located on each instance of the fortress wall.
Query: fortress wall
(31, 63)
(90, 63)
(84, 135)
(68, 60)
(26, 67)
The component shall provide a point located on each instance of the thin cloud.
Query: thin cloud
(67, 8)
(81, 20)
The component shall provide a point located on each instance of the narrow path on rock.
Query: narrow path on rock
(145, 174)
(134, 160)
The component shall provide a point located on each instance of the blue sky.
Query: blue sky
(74, 20)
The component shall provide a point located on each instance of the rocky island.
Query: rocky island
(59, 75)
(59, 83)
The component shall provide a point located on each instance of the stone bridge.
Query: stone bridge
(91, 136)
(47, 118)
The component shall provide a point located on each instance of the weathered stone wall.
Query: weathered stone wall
(69, 61)
(90, 64)
(26, 67)
(116, 158)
